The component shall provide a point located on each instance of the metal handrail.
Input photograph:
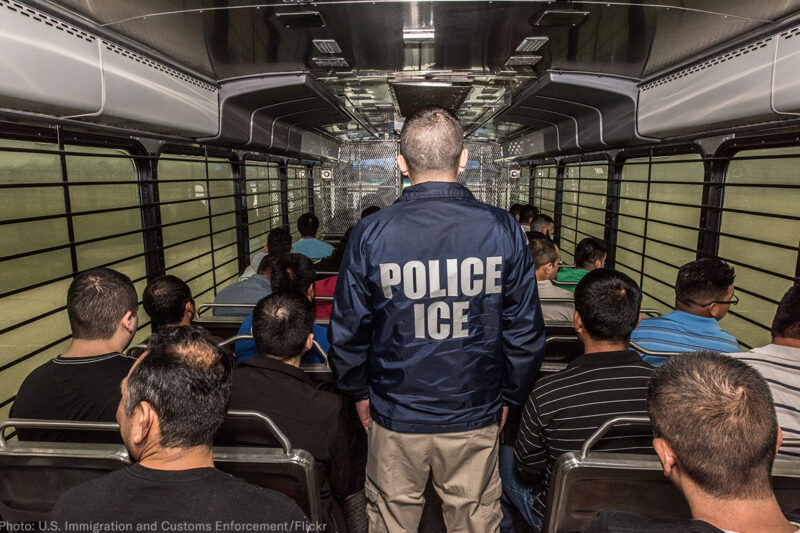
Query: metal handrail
(655, 312)
(235, 338)
(608, 424)
(570, 283)
(53, 424)
(276, 432)
(323, 298)
(656, 353)
(555, 338)
(557, 300)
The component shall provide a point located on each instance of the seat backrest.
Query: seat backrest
(34, 475)
(586, 482)
(222, 327)
(562, 344)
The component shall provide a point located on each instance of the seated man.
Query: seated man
(565, 408)
(168, 301)
(83, 382)
(247, 291)
(546, 256)
(715, 435)
(703, 296)
(526, 216)
(290, 272)
(173, 402)
(590, 254)
(542, 227)
(779, 363)
(313, 419)
(279, 241)
(309, 245)
(515, 210)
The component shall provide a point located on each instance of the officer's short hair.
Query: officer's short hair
(431, 141)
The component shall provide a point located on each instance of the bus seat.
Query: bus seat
(587, 482)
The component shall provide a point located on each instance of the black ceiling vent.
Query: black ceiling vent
(413, 95)
(301, 19)
(559, 18)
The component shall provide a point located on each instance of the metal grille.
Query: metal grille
(583, 205)
(483, 175)
(263, 201)
(297, 189)
(367, 175)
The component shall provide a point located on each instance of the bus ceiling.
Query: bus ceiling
(300, 78)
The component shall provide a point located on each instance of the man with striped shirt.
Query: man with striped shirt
(565, 408)
(779, 363)
(703, 296)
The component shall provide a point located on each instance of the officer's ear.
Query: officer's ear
(402, 164)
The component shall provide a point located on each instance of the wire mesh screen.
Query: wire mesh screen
(484, 177)
(367, 175)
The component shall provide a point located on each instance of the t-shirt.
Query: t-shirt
(198, 499)
(312, 248)
(621, 522)
(571, 275)
(75, 388)
(249, 291)
(247, 349)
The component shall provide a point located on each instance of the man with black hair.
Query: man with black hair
(168, 301)
(247, 291)
(313, 419)
(779, 363)
(173, 402)
(290, 272)
(703, 296)
(526, 215)
(715, 434)
(590, 254)
(435, 330)
(565, 408)
(542, 227)
(279, 241)
(309, 245)
(367, 211)
(515, 210)
(546, 257)
(83, 382)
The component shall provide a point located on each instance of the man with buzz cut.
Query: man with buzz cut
(83, 382)
(716, 434)
(435, 330)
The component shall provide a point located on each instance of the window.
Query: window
(759, 236)
(263, 200)
(298, 196)
(523, 195)
(658, 220)
(584, 205)
(544, 189)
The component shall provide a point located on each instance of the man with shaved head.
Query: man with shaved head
(435, 330)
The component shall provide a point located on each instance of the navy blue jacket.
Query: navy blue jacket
(436, 317)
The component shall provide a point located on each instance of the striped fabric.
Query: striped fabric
(780, 366)
(682, 332)
(564, 409)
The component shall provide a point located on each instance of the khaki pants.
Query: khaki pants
(465, 475)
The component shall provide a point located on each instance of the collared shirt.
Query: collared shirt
(565, 408)
(679, 331)
(315, 420)
(780, 366)
(249, 291)
(312, 248)
(555, 312)
(571, 275)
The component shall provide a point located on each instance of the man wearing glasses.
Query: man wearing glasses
(703, 296)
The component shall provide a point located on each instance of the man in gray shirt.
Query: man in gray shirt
(546, 257)
(248, 291)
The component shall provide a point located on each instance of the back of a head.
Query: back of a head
(292, 272)
(164, 300)
(716, 412)
(432, 140)
(588, 251)
(608, 303)
(187, 380)
(97, 300)
(541, 222)
(282, 322)
(703, 281)
(544, 252)
(367, 211)
(527, 214)
(787, 319)
(515, 210)
(307, 225)
(279, 241)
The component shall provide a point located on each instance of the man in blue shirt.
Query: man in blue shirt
(703, 296)
(309, 245)
(290, 272)
(247, 291)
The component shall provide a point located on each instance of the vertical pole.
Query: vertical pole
(240, 206)
(73, 254)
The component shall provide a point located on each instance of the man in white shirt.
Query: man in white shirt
(779, 363)
(546, 257)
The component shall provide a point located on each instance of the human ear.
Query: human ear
(402, 164)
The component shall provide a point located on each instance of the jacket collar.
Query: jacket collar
(273, 365)
(435, 189)
(607, 359)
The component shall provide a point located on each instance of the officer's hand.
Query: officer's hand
(362, 408)
(503, 418)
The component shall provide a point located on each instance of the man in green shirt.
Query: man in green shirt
(590, 254)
